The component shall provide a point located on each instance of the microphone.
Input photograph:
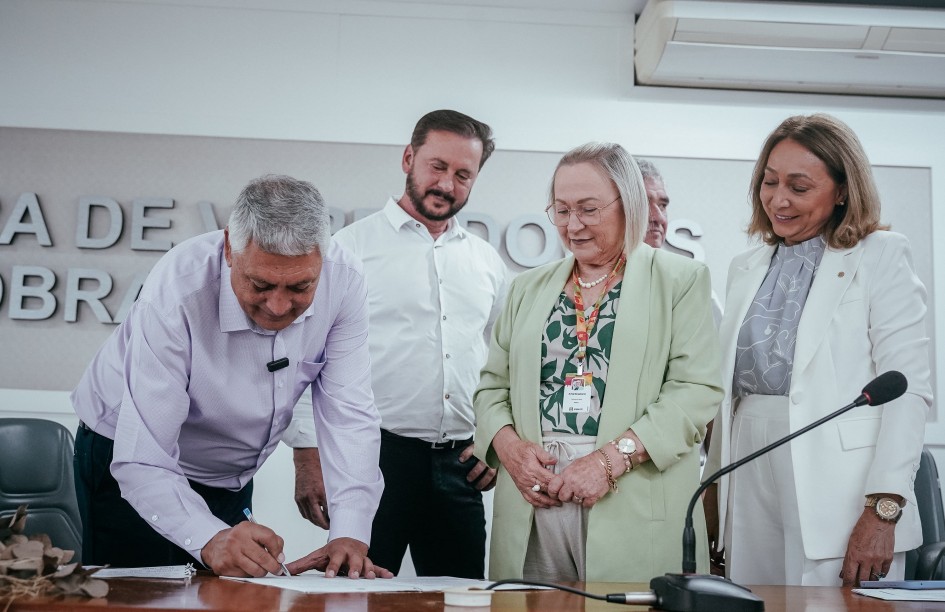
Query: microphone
(689, 592)
(278, 364)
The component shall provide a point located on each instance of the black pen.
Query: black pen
(249, 515)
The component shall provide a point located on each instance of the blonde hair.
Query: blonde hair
(835, 144)
(622, 169)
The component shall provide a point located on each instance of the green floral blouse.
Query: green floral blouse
(558, 348)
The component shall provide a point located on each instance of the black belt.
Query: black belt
(417, 442)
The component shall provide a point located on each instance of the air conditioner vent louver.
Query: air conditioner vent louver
(791, 47)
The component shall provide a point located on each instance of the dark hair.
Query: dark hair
(452, 121)
(835, 144)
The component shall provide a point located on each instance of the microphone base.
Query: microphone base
(703, 593)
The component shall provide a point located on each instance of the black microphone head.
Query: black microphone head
(885, 388)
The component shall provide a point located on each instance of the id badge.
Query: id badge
(577, 392)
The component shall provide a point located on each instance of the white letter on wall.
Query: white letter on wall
(139, 221)
(20, 292)
(92, 297)
(207, 216)
(26, 203)
(83, 225)
(684, 244)
(130, 296)
(549, 251)
(493, 234)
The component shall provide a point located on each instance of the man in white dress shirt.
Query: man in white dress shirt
(434, 290)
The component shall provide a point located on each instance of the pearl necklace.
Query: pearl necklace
(589, 284)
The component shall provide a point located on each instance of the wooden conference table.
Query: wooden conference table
(205, 592)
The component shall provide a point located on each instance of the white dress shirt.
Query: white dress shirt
(431, 305)
(182, 388)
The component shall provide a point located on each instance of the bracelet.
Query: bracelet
(626, 457)
(608, 470)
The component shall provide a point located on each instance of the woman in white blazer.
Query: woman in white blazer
(828, 302)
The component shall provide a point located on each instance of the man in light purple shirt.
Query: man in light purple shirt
(192, 392)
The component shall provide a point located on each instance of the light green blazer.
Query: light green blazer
(663, 382)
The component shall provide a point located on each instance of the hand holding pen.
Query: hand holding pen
(246, 549)
(249, 515)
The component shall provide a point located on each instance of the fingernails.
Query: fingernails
(281, 558)
(371, 574)
(352, 574)
(330, 574)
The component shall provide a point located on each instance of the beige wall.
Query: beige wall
(62, 167)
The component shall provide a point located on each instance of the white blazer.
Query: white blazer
(865, 315)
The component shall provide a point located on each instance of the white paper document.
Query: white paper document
(904, 594)
(164, 571)
(315, 582)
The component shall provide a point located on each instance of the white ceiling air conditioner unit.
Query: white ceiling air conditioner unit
(776, 46)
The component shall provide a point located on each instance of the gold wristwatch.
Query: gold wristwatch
(887, 508)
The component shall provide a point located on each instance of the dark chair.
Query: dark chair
(36, 470)
(928, 561)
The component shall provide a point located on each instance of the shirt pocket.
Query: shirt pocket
(309, 371)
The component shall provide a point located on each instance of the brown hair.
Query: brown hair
(835, 144)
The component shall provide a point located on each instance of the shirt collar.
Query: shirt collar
(398, 217)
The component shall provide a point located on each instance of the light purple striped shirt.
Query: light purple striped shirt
(183, 389)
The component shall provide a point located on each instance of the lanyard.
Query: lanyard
(585, 326)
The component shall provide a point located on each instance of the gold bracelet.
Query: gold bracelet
(626, 457)
(608, 470)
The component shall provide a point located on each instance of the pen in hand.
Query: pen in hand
(249, 515)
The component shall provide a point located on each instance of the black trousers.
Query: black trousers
(112, 531)
(428, 505)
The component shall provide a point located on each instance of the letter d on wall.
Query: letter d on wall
(83, 224)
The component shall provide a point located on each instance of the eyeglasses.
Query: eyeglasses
(560, 215)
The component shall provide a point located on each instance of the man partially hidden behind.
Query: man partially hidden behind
(192, 392)
(434, 290)
(658, 202)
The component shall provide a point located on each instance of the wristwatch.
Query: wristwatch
(887, 508)
(627, 447)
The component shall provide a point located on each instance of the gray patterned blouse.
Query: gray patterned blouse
(764, 355)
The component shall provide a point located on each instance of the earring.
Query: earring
(841, 203)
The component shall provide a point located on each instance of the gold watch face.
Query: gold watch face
(887, 509)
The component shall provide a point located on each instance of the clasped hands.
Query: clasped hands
(250, 549)
(583, 482)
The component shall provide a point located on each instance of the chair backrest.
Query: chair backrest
(36, 469)
(928, 495)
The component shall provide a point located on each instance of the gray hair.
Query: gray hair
(280, 215)
(648, 169)
(625, 174)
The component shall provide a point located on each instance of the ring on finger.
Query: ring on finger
(536, 487)
(578, 500)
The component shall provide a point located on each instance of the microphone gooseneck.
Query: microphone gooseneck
(690, 592)
(882, 389)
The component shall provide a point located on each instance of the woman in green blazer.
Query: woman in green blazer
(602, 375)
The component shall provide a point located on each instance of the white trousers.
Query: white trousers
(558, 542)
(763, 533)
